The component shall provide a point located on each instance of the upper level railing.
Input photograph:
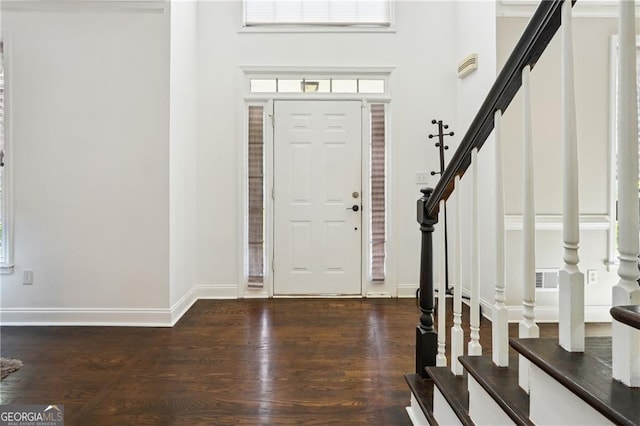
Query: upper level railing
(541, 28)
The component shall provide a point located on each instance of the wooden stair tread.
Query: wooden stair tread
(588, 375)
(422, 389)
(501, 383)
(454, 389)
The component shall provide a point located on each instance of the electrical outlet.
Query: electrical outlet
(422, 177)
(27, 278)
(592, 276)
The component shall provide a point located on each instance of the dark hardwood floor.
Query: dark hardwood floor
(283, 361)
(278, 361)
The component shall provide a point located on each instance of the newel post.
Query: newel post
(426, 336)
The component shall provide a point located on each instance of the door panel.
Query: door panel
(317, 168)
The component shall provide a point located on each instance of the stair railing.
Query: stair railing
(429, 352)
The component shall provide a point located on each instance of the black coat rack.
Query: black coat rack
(441, 149)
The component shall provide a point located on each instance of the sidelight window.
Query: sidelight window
(377, 190)
(256, 231)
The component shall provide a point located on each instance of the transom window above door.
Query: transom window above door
(317, 85)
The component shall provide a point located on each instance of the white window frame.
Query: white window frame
(319, 27)
(267, 100)
(612, 261)
(7, 266)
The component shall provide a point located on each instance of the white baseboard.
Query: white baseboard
(550, 313)
(592, 313)
(182, 306)
(149, 317)
(256, 293)
(407, 290)
(85, 316)
(221, 291)
(378, 295)
(116, 317)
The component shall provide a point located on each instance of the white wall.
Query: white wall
(90, 121)
(183, 135)
(421, 88)
(591, 44)
(476, 33)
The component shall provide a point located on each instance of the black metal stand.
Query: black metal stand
(441, 148)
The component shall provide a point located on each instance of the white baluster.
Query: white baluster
(528, 326)
(441, 358)
(474, 347)
(626, 340)
(571, 280)
(457, 334)
(500, 324)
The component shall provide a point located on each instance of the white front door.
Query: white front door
(317, 189)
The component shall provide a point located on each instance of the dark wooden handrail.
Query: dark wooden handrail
(629, 315)
(534, 40)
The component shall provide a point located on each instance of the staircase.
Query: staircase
(568, 380)
(565, 388)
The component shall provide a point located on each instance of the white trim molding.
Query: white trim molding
(140, 317)
(266, 100)
(315, 29)
(545, 313)
(116, 317)
(549, 314)
(7, 267)
(408, 290)
(132, 6)
(588, 222)
(218, 291)
(183, 305)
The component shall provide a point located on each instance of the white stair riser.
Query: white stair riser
(483, 409)
(442, 411)
(415, 413)
(550, 403)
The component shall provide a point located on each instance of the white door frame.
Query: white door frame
(268, 285)
(266, 100)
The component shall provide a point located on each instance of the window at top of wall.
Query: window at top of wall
(329, 13)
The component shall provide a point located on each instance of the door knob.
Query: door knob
(355, 208)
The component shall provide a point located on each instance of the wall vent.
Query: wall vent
(468, 65)
(546, 278)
